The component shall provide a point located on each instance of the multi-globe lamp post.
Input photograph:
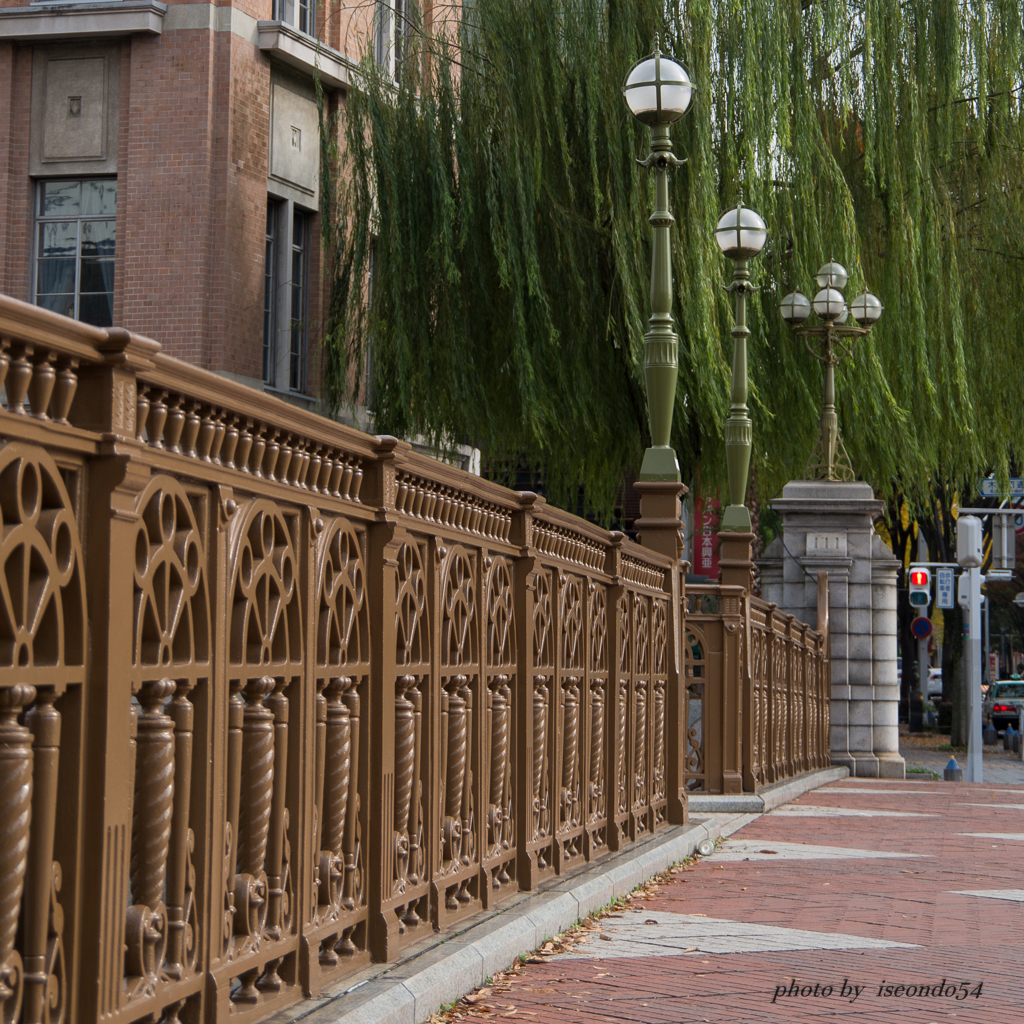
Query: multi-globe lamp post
(658, 92)
(830, 340)
(740, 235)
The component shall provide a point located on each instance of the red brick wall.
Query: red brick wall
(193, 146)
(15, 186)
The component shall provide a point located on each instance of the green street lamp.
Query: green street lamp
(740, 235)
(830, 341)
(658, 92)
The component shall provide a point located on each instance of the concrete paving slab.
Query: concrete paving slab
(756, 849)
(646, 933)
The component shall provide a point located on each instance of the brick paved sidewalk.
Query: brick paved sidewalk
(845, 904)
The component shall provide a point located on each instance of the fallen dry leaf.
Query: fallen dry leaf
(650, 920)
(768, 851)
(608, 938)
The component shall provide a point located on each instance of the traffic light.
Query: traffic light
(968, 542)
(920, 587)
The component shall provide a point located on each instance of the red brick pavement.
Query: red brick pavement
(960, 938)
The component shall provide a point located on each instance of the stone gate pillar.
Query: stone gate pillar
(830, 525)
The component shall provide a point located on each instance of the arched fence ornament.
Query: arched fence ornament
(42, 657)
(170, 659)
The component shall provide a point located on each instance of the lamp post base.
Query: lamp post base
(660, 463)
(735, 520)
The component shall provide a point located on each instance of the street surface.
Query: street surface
(864, 901)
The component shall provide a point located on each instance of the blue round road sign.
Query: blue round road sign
(921, 627)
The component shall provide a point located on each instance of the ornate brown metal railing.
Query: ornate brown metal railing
(758, 684)
(277, 697)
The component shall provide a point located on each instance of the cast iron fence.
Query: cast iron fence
(277, 697)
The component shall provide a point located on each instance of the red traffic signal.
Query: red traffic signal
(920, 587)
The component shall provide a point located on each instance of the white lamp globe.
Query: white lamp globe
(740, 233)
(829, 304)
(657, 90)
(832, 275)
(866, 309)
(795, 308)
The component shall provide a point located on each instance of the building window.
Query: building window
(393, 29)
(270, 292)
(299, 13)
(298, 328)
(289, 241)
(74, 272)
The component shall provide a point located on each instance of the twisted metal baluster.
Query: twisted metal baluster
(596, 747)
(570, 745)
(319, 771)
(41, 915)
(146, 933)
(256, 786)
(640, 750)
(337, 776)
(351, 894)
(540, 721)
(278, 905)
(499, 757)
(15, 817)
(405, 750)
(455, 774)
(180, 942)
(466, 806)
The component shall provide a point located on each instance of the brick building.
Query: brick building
(159, 169)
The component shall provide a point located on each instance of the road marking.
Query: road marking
(678, 934)
(825, 811)
(1019, 836)
(1017, 895)
(1016, 807)
(880, 791)
(755, 849)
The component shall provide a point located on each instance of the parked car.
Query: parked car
(934, 682)
(1004, 702)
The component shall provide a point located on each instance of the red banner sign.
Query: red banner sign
(705, 536)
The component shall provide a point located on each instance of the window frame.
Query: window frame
(300, 14)
(298, 326)
(286, 307)
(38, 219)
(392, 31)
(271, 279)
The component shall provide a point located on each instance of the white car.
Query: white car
(934, 682)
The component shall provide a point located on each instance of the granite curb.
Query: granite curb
(444, 968)
(769, 797)
(409, 992)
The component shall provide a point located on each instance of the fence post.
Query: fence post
(109, 527)
(660, 528)
(618, 690)
(382, 567)
(524, 585)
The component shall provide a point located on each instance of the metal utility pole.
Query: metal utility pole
(987, 665)
(969, 555)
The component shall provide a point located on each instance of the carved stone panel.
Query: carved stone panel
(75, 100)
(294, 138)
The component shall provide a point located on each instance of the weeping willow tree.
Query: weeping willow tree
(491, 252)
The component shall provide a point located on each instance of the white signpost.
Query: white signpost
(944, 587)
